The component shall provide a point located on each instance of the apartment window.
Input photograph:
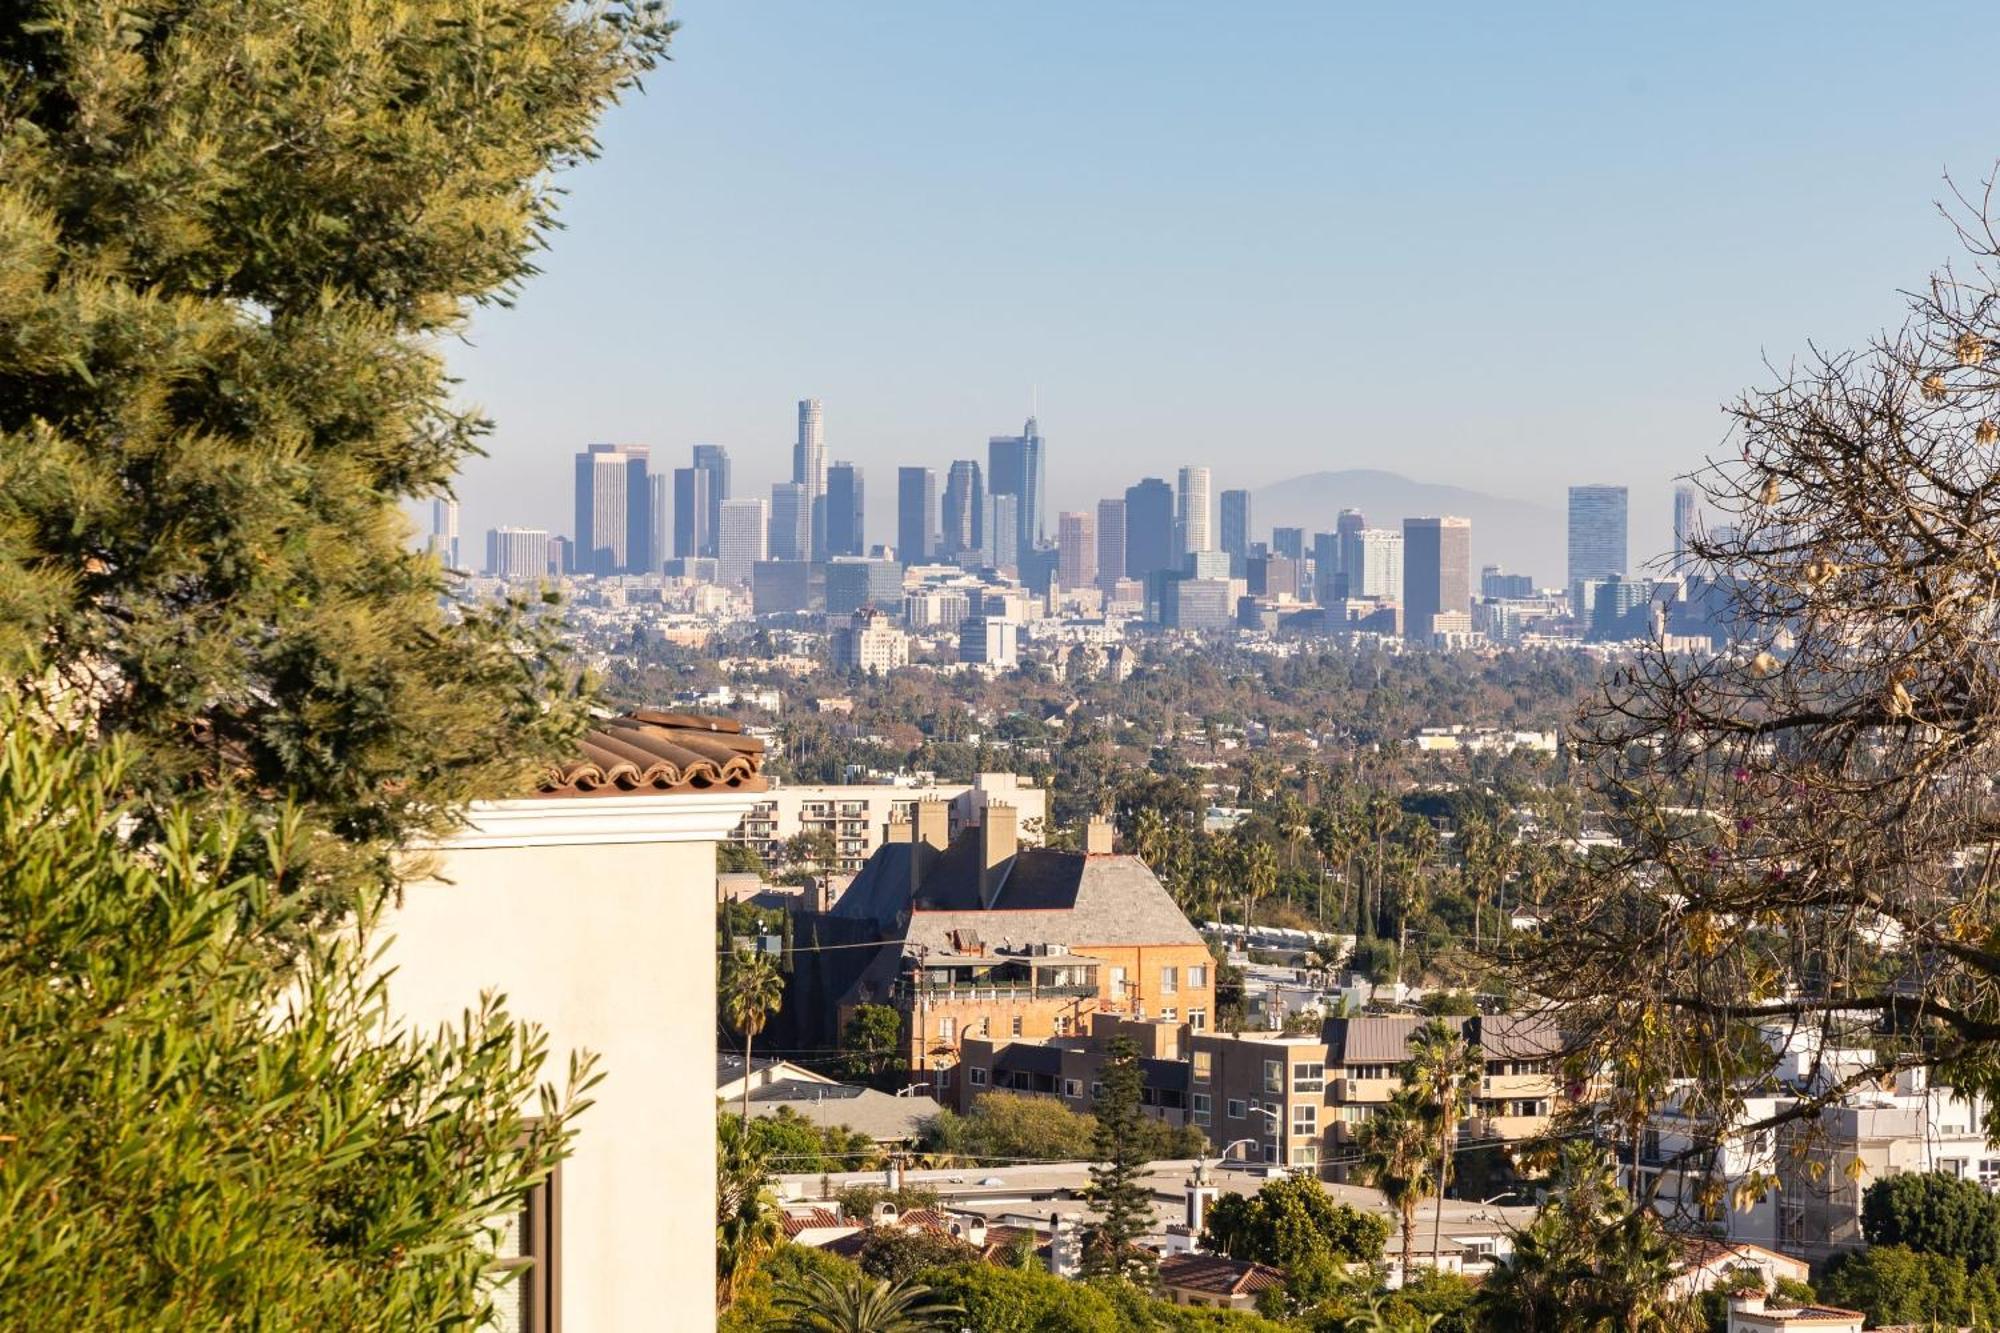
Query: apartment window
(1204, 1061)
(1201, 1108)
(1169, 1014)
(1305, 1154)
(1305, 1120)
(1117, 983)
(1072, 1087)
(1198, 1019)
(1096, 1090)
(1235, 1108)
(944, 1078)
(1062, 1025)
(1170, 980)
(1017, 1025)
(1198, 977)
(1274, 1076)
(976, 1076)
(947, 1029)
(528, 1254)
(1270, 1150)
(1308, 1077)
(1989, 1171)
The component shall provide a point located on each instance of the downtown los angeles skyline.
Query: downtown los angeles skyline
(1302, 240)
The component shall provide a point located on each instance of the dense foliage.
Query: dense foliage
(232, 236)
(1935, 1214)
(1004, 1127)
(192, 1133)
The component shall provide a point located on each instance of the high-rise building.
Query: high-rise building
(1597, 548)
(791, 521)
(694, 501)
(1329, 581)
(1437, 573)
(1194, 512)
(1687, 515)
(1002, 547)
(444, 531)
(1289, 542)
(916, 515)
(1110, 543)
(1149, 529)
(517, 553)
(1236, 529)
(1498, 583)
(659, 515)
(845, 528)
(714, 460)
(1372, 563)
(809, 471)
(1014, 467)
(614, 510)
(964, 511)
(853, 582)
(741, 541)
(1076, 550)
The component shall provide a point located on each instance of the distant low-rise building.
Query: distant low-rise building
(857, 815)
(868, 642)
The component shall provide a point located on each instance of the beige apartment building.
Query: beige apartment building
(857, 815)
(1300, 1099)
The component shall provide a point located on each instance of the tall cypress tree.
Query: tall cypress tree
(1124, 1205)
(234, 235)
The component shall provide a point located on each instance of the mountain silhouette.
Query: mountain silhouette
(1521, 537)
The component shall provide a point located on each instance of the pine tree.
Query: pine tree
(233, 236)
(1124, 1205)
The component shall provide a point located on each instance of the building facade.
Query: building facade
(742, 540)
(916, 515)
(1597, 541)
(517, 553)
(858, 815)
(1437, 575)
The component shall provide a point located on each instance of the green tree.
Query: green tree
(796, 1145)
(1894, 1284)
(821, 1304)
(738, 858)
(1933, 1213)
(750, 992)
(234, 237)
(1123, 1204)
(1294, 1224)
(747, 1221)
(1444, 1070)
(899, 1254)
(1002, 1127)
(1393, 1148)
(871, 1038)
(192, 1133)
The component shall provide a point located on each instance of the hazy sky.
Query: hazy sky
(1507, 246)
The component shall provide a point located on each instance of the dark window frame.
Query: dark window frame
(540, 1261)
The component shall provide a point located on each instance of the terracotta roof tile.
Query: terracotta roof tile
(812, 1220)
(647, 752)
(1218, 1276)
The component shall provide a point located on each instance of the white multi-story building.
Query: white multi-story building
(857, 815)
(742, 540)
(517, 553)
(868, 642)
(1196, 511)
(989, 641)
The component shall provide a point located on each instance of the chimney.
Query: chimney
(931, 834)
(999, 838)
(897, 830)
(1097, 836)
(1747, 1302)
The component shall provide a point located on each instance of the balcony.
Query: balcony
(1498, 1087)
(1365, 1089)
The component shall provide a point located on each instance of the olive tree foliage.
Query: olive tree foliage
(234, 235)
(1808, 815)
(196, 1139)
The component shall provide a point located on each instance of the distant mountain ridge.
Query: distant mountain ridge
(1520, 536)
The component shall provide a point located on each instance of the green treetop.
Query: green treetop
(1124, 1205)
(232, 239)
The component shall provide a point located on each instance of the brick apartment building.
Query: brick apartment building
(982, 936)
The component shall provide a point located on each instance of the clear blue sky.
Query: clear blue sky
(1508, 246)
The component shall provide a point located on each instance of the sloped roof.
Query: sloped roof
(882, 1117)
(1218, 1276)
(1385, 1038)
(647, 752)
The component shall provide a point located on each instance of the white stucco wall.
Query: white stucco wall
(596, 918)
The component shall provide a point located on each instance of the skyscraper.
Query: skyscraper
(1110, 543)
(916, 515)
(1014, 467)
(1329, 582)
(1194, 513)
(1289, 543)
(1687, 515)
(1437, 575)
(740, 542)
(791, 522)
(694, 501)
(1076, 550)
(1002, 547)
(809, 471)
(1149, 528)
(964, 510)
(517, 553)
(444, 531)
(845, 528)
(659, 515)
(1372, 563)
(1236, 529)
(714, 460)
(614, 510)
(1596, 532)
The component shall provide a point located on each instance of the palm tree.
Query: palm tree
(1395, 1157)
(1444, 1071)
(1294, 826)
(862, 1304)
(1260, 874)
(747, 1224)
(751, 991)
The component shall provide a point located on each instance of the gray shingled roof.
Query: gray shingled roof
(877, 1114)
(1385, 1039)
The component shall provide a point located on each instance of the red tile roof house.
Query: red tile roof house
(591, 905)
(1218, 1283)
